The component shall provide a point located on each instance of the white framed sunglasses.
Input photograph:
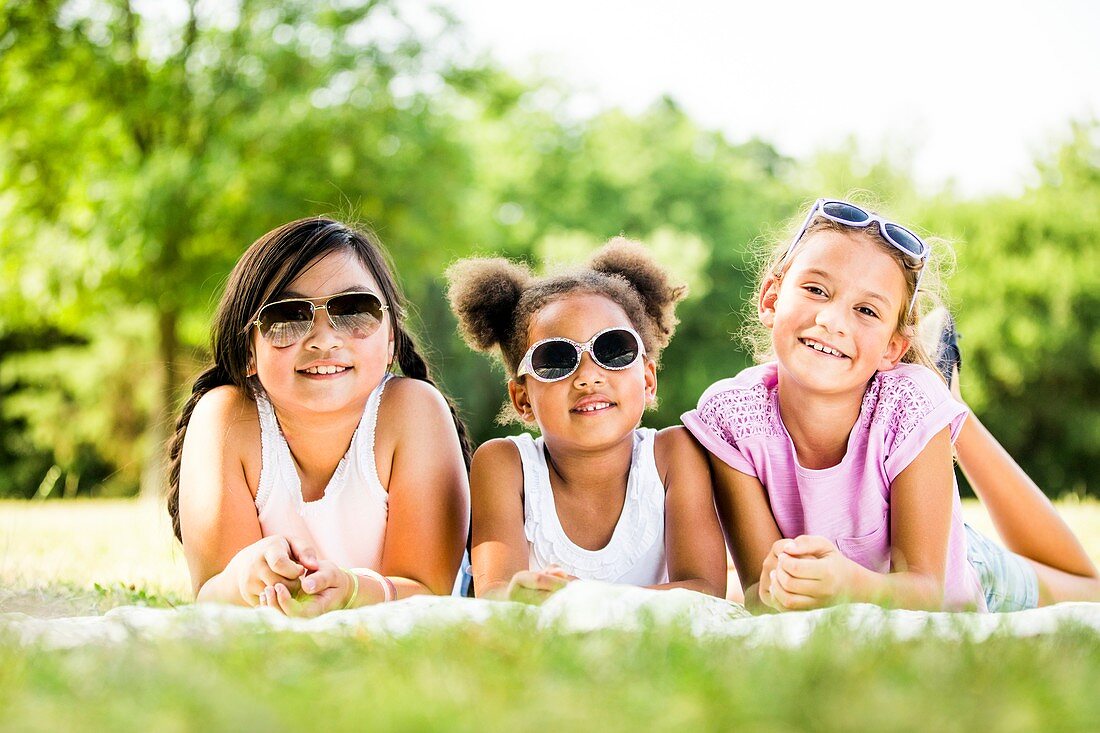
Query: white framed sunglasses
(286, 322)
(850, 215)
(557, 358)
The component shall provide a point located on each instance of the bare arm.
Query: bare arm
(695, 554)
(920, 523)
(750, 529)
(429, 495)
(812, 572)
(500, 548)
(227, 556)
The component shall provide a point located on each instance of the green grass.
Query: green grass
(505, 675)
(511, 676)
(78, 557)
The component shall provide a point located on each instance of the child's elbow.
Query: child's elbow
(931, 591)
(711, 588)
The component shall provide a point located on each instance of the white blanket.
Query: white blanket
(582, 606)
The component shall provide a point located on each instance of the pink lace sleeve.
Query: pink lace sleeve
(724, 419)
(911, 406)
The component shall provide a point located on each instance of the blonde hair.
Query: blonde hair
(771, 262)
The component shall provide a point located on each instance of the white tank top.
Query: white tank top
(347, 525)
(635, 555)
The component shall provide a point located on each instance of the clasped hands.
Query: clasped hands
(284, 573)
(535, 586)
(805, 572)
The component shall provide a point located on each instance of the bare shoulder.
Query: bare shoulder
(222, 442)
(228, 412)
(498, 451)
(675, 438)
(675, 446)
(406, 399)
(496, 467)
(414, 415)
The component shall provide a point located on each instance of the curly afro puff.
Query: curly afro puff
(494, 299)
(484, 294)
(630, 261)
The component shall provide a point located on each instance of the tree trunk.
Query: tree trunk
(154, 479)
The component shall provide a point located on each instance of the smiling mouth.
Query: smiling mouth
(324, 370)
(593, 407)
(822, 348)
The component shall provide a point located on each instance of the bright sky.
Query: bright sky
(974, 88)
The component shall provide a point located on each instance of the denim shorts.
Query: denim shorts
(464, 582)
(1008, 580)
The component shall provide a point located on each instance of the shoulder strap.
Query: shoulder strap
(363, 442)
(271, 440)
(534, 492)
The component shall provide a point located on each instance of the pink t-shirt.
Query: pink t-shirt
(738, 421)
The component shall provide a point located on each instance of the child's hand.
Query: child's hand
(808, 572)
(763, 588)
(535, 586)
(270, 561)
(327, 589)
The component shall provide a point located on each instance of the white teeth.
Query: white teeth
(324, 369)
(821, 347)
(594, 406)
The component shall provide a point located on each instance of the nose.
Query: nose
(588, 373)
(833, 317)
(323, 337)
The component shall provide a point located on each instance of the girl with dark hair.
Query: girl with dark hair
(306, 475)
(595, 496)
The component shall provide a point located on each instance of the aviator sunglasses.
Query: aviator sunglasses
(850, 215)
(554, 359)
(285, 322)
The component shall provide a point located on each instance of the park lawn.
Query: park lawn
(514, 677)
(84, 556)
(78, 557)
(63, 558)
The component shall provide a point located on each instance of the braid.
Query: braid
(208, 380)
(413, 365)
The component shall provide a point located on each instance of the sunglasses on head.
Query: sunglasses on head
(554, 359)
(287, 322)
(850, 215)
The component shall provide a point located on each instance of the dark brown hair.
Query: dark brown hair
(265, 269)
(494, 299)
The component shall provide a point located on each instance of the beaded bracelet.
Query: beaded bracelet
(354, 589)
(389, 590)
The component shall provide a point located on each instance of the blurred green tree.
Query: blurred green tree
(143, 153)
(140, 152)
(561, 187)
(1027, 298)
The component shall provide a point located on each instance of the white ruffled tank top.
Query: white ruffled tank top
(635, 555)
(347, 525)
